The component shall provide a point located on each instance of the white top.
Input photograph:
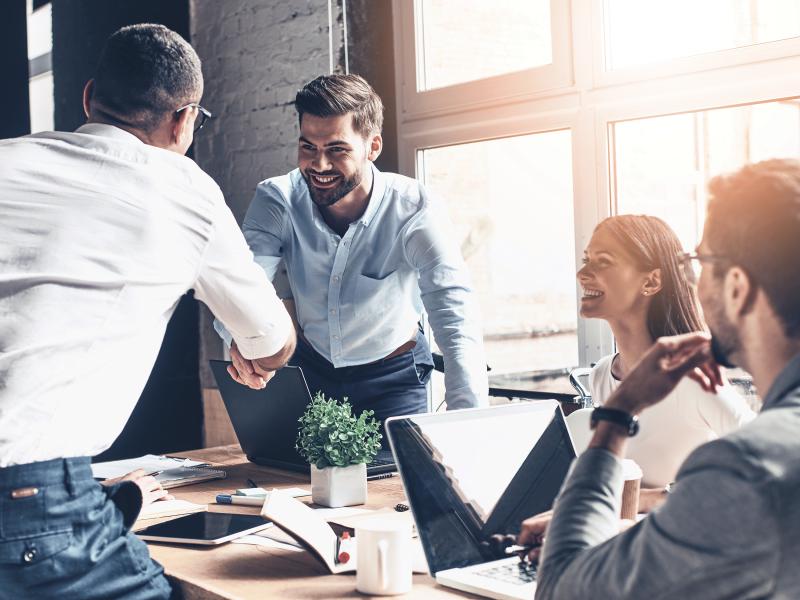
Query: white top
(671, 429)
(100, 236)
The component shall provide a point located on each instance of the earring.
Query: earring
(645, 293)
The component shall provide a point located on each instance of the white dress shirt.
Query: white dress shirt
(670, 430)
(100, 236)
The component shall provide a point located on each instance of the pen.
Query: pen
(517, 549)
(379, 476)
(245, 500)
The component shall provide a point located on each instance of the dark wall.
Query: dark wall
(15, 115)
(370, 43)
(80, 27)
(168, 416)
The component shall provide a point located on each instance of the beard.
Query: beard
(329, 197)
(724, 341)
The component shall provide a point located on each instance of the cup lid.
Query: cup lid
(631, 470)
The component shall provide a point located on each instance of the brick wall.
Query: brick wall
(256, 54)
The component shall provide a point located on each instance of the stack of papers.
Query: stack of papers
(169, 472)
(148, 462)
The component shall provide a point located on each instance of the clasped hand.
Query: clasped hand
(248, 372)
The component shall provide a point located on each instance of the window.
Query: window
(510, 201)
(479, 40)
(639, 103)
(664, 163)
(648, 31)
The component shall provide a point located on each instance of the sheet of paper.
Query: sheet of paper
(294, 492)
(148, 462)
(276, 534)
(351, 517)
(166, 508)
(261, 540)
(336, 515)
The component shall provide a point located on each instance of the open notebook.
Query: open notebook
(307, 527)
(169, 472)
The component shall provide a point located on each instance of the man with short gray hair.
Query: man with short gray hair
(103, 230)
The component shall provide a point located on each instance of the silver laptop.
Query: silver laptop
(473, 473)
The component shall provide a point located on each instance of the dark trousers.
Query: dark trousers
(389, 387)
(63, 535)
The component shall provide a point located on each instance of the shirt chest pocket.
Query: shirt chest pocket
(376, 295)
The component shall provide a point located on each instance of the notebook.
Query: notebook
(169, 472)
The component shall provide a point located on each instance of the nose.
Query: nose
(321, 163)
(583, 274)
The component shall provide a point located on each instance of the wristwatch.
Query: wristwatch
(620, 417)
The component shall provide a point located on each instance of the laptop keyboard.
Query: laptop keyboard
(379, 462)
(518, 573)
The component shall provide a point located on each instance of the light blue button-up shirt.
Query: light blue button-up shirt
(359, 296)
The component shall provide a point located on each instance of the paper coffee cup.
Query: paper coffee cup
(630, 491)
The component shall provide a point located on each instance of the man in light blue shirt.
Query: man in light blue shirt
(365, 253)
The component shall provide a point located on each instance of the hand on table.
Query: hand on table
(248, 372)
(149, 485)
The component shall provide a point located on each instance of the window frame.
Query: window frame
(471, 94)
(587, 99)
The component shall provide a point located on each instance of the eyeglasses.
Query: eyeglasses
(692, 264)
(203, 115)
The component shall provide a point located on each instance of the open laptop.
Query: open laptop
(472, 473)
(265, 421)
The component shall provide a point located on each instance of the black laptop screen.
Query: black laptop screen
(470, 474)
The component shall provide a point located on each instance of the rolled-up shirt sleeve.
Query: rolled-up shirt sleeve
(239, 293)
(715, 537)
(446, 293)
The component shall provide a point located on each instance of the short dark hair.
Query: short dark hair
(146, 72)
(754, 222)
(337, 95)
(652, 244)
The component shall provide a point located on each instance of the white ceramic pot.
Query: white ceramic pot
(339, 486)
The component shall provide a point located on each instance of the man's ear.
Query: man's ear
(739, 293)
(652, 284)
(88, 91)
(183, 126)
(375, 147)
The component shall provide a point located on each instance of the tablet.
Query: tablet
(208, 528)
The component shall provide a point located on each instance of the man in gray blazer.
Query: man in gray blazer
(731, 527)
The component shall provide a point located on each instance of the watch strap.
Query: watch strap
(620, 417)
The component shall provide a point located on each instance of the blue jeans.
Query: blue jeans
(389, 387)
(66, 536)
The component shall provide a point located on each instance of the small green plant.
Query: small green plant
(331, 436)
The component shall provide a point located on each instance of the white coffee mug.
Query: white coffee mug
(383, 549)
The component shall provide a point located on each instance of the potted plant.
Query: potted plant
(338, 446)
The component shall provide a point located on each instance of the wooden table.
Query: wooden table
(248, 571)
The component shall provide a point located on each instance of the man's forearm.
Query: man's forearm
(586, 513)
(610, 436)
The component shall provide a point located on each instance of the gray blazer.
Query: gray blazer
(731, 528)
